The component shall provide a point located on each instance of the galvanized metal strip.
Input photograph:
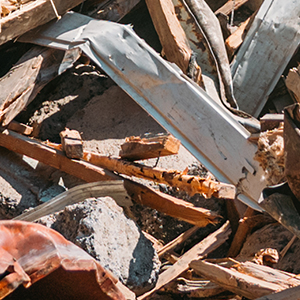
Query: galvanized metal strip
(206, 129)
(269, 45)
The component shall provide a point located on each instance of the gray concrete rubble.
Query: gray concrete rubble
(100, 227)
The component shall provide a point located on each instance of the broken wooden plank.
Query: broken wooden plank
(71, 143)
(240, 235)
(271, 275)
(90, 173)
(171, 35)
(246, 225)
(207, 245)
(54, 158)
(234, 281)
(169, 205)
(292, 82)
(180, 239)
(188, 183)
(235, 40)
(226, 9)
(28, 76)
(32, 15)
(20, 128)
(136, 148)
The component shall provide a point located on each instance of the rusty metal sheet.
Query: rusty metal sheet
(38, 263)
(208, 130)
(269, 45)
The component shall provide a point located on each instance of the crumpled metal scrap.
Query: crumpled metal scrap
(38, 263)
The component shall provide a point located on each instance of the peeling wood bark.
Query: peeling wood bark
(207, 245)
(171, 35)
(31, 73)
(32, 15)
(188, 183)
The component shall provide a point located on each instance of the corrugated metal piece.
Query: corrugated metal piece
(270, 43)
(205, 128)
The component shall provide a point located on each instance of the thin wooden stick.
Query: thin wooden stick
(180, 239)
(210, 243)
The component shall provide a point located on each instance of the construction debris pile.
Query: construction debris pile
(149, 149)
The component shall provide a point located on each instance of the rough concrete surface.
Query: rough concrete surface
(100, 227)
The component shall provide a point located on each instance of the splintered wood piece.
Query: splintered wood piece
(207, 245)
(246, 225)
(71, 143)
(20, 128)
(169, 205)
(180, 239)
(284, 279)
(34, 14)
(28, 76)
(292, 82)
(234, 41)
(235, 281)
(287, 247)
(188, 183)
(136, 148)
(157, 245)
(54, 158)
(240, 235)
(227, 7)
(90, 173)
(171, 35)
